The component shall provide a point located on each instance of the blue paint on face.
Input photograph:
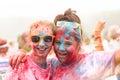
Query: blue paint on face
(41, 40)
(67, 34)
(41, 34)
(61, 47)
(63, 44)
(62, 39)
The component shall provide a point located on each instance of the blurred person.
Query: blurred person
(36, 67)
(114, 41)
(4, 64)
(24, 42)
(96, 43)
(114, 37)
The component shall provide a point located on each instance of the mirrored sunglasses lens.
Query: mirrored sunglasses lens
(35, 38)
(48, 38)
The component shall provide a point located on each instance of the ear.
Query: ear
(79, 47)
(80, 44)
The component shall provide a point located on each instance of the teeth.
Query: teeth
(41, 48)
(62, 53)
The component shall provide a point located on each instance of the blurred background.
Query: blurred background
(17, 15)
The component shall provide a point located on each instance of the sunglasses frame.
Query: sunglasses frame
(41, 37)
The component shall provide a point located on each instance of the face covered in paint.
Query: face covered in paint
(66, 45)
(42, 39)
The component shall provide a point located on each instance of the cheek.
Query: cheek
(71, 49)
(50, 44)
(55, 45)
(34, 47)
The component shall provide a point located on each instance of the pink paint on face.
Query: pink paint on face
(41, 53)
(66, 47)
(41, 48)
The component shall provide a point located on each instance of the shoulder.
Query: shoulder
(54, 62)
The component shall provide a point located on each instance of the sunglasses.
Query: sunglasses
(36, 38)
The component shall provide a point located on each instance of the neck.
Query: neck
(40, 61)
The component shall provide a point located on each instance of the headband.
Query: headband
(70, 25)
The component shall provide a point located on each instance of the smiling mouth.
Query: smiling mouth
(62, 54)
(41, 49)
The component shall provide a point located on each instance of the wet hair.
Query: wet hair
(69, 15)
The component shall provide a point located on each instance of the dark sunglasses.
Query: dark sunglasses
(37, 38)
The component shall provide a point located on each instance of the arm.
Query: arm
(97, 36)
(117, 57)
(17, 58)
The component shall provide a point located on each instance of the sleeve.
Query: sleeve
(100, 65)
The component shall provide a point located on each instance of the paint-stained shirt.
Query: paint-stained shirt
(93, 66)
(29, 71)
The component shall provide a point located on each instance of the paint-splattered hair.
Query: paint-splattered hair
(70, 16)
(42, 23)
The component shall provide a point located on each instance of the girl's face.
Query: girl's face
(42, 39)
(65, 46)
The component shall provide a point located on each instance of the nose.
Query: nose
(62, 47)
(41, 43)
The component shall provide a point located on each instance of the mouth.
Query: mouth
(41, 49)
(62, 55)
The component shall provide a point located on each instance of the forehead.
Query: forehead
(63, 34)
(63, 31)
(41, 29)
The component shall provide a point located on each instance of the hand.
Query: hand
(100, 26)
(17, 58)
(117, 57)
